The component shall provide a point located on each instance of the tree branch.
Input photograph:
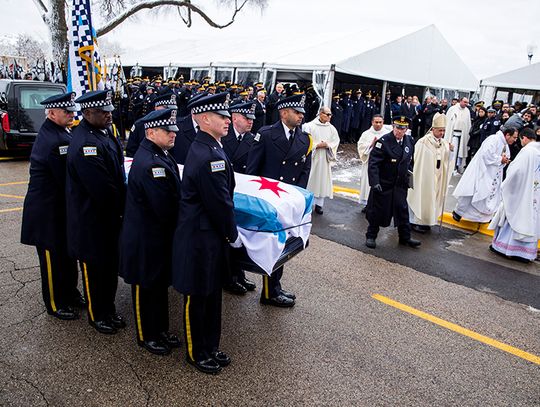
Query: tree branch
(43, 9)
(149, 4)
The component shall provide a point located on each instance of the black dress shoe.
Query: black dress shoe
(221, 358)
(364, 209)
(78, 300)
(279, 301)
(248, 284)
(104, 327)
(65, 314)
(410, 242)
(235, 288)
(371, 243)
(456, 217)
(169, 339)
(117, 320)
(288, 294)
(209, 366)
(420, 228)
(155, 347)
(318, 209)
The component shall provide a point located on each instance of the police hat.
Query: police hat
(168, 100)
(295, 102)
(491, 110)
(165, 119)
(401, 122)
(479, 103)
(218, 103)
(498, 102)
(97, 99)
(63, 101)
(246, 109)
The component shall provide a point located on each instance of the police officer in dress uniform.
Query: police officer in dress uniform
(491, 125)
(44, 213)
(153, 196)
(206, 228)
(137, 133)
(282, 152)
(237, 144)
(389, 168)
(95, 194)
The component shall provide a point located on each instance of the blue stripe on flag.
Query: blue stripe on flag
(308, 196)
(256, 214)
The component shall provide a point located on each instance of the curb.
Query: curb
(446, 217)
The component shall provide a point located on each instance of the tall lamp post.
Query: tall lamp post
(530, 52)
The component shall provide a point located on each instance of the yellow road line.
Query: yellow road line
(456, 328)
(347, 190)
(14, 183)
(10, 210)
(7, 158)
(11, 196)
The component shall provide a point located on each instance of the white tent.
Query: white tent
(521, 84)
(422, 57)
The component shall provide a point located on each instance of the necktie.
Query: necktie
(239, 138)
(291, 136)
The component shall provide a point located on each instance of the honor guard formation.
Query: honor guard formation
(166, 228)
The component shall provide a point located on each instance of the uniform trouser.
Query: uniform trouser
(100, 280)
(202, 324)
(151, 308)
(272, 284)
(404, 231)
(236, 272)
(58, 278)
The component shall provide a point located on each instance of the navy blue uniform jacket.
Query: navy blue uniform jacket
(206, 221)
(389, 165)
(237, 152)
(44, 213)
(95, 193)
(153, 196)
(136, 135)
(184, 137)
(272, 156)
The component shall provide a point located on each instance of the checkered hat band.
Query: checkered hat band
(290, 104)
(243, 111)
(210, 108)
(97, 103)
(159, 123)
(165, 103)
(59, 105)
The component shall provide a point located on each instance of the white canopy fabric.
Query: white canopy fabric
(422, 57)
(527, 78)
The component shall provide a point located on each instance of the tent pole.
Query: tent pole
(383, 97)
(327, 96)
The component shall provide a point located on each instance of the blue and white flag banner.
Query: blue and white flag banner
(268, 212)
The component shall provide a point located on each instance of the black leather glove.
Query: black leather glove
(377, 188)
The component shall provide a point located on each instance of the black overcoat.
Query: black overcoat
(184, 137)
(237, 151)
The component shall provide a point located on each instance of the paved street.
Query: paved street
(449, 324)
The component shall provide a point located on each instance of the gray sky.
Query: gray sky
(490, 36)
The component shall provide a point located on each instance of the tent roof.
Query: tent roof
(527, 77)
(373, 59)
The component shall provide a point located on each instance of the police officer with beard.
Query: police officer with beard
(389, 170)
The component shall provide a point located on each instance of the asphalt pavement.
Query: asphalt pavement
(444, 325)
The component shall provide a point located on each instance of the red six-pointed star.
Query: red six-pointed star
(271, 185)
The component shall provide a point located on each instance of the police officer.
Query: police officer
(282, 152)
(137, 133)
(153, 195)
(389, 167)
(236, 145)
(491, 125)
(44, 213)
(95, 194)
(206, 228)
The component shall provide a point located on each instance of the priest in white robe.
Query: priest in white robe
(517, 221)
(325, 140)
(478, 192)
(365, 145)
(430, 177)
(458, 122)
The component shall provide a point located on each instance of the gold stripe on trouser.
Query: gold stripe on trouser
(90, 312)
(188, 331)
(138, 313)
(265, 287)
(50, 280)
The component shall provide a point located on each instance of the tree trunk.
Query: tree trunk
(58, 26)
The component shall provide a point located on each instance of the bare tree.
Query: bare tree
(53, 13)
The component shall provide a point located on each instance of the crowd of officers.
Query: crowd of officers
(154, 228)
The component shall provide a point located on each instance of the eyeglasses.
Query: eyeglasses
(327, 114)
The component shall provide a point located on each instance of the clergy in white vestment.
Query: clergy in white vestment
(365, 145)
(478, 192)
(458, 121)
(325, 143)
(430, 177)
(517, 220)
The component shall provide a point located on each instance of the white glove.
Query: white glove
(237, 243)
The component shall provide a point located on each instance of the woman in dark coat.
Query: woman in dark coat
(474, 134)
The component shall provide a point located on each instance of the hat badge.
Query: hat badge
(173, 98)
(73, 95)
(109, 96)
(252, 108)
(173, 115)
(227, 99)
(303, 99)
